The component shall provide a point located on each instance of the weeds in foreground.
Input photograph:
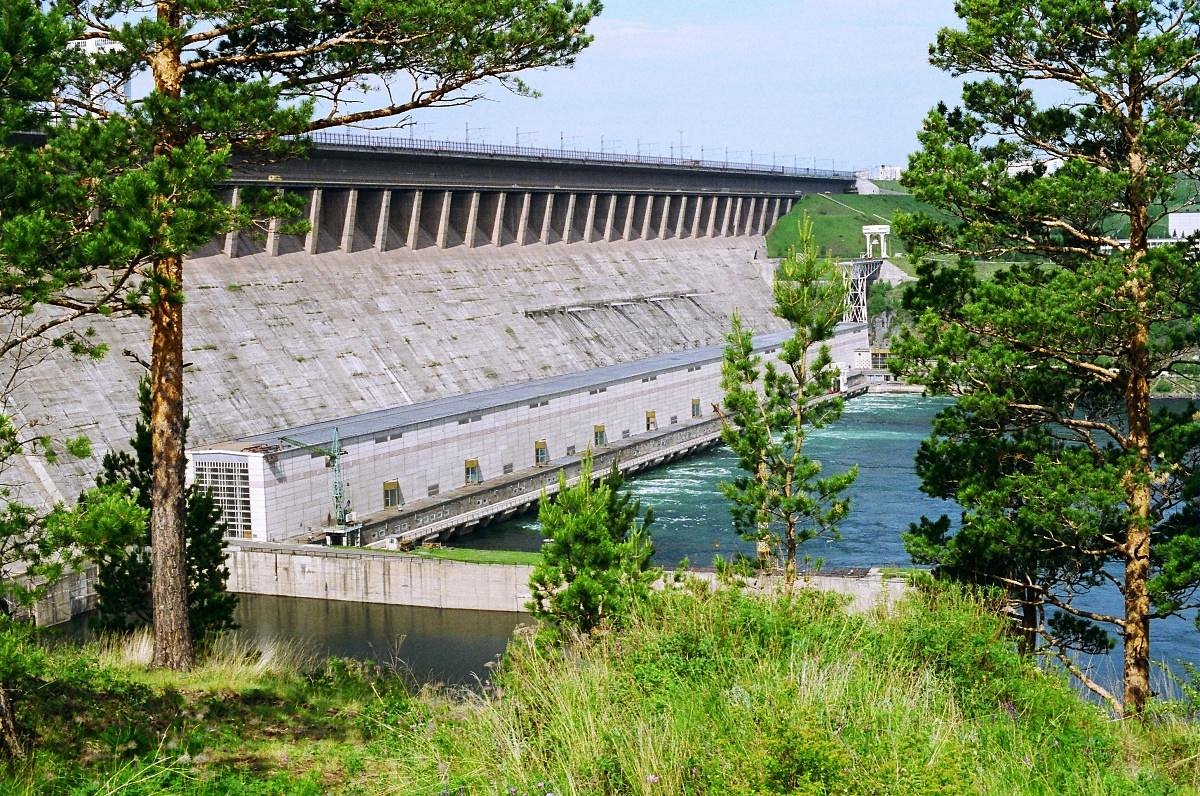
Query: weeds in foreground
(704, 693)
(724, 693)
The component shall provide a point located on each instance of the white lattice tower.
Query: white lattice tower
(857, 274)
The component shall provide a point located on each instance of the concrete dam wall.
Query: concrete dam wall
(280, 341)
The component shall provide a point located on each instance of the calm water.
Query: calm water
(434, 644)
(879, 433)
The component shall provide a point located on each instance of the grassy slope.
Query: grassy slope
(890, 185)
(838, 220)
(704, 694)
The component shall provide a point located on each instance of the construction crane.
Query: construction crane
(343, 531)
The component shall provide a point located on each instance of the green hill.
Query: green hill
(704, 693)
(838, 221)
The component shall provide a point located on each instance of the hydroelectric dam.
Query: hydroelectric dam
(461, 316)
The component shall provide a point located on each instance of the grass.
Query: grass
(838, 221)
(468, 555)
(476, 556)
(890, 185)
(703, 693)
(721, 693)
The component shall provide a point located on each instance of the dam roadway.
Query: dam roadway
(350, 160)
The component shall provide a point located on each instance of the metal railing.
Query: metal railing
(363, 141)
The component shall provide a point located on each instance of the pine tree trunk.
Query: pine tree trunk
(1137, 544)
(10, 742)
(1136, 630)
(168, 584)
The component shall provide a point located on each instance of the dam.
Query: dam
(429, 275)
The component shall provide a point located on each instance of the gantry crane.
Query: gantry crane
(343, 531)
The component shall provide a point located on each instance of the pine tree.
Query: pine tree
(596, 562)
(250, 77)
(781, 500)
(124, 556)
(1068, 476)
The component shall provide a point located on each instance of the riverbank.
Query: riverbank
(704, 693)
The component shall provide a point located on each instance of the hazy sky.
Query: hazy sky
(844, 82)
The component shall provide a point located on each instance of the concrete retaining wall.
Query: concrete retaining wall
(72, 594)
(385, 578)
(397, 579)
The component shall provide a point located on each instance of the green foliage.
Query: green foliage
(883, 298)
(781, 500)
(701, 692)
(595, 564)
(36, 548)
(121, 549)
(1067, 478)
(724, 693)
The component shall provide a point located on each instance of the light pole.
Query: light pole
(477, 130)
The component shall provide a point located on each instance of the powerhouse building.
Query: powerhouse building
(278, 486)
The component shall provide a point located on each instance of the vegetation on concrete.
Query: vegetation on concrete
(701, 693)
(123, 553)
(471, 555)
(781, 499)
(1067, 477)
(595, 565)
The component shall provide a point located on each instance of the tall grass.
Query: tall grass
(230, 661)
(723, 693)
(706, 692)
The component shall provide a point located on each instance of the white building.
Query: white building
(1181, 225)
(274, 489)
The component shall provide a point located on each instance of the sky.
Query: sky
(827, 83)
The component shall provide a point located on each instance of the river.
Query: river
(879, 433)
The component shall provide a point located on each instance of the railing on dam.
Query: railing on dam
(361, 141)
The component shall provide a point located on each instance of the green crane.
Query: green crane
(341, 532)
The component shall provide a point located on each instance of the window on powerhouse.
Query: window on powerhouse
(541, 452)
(391, 494)
(471, 471)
